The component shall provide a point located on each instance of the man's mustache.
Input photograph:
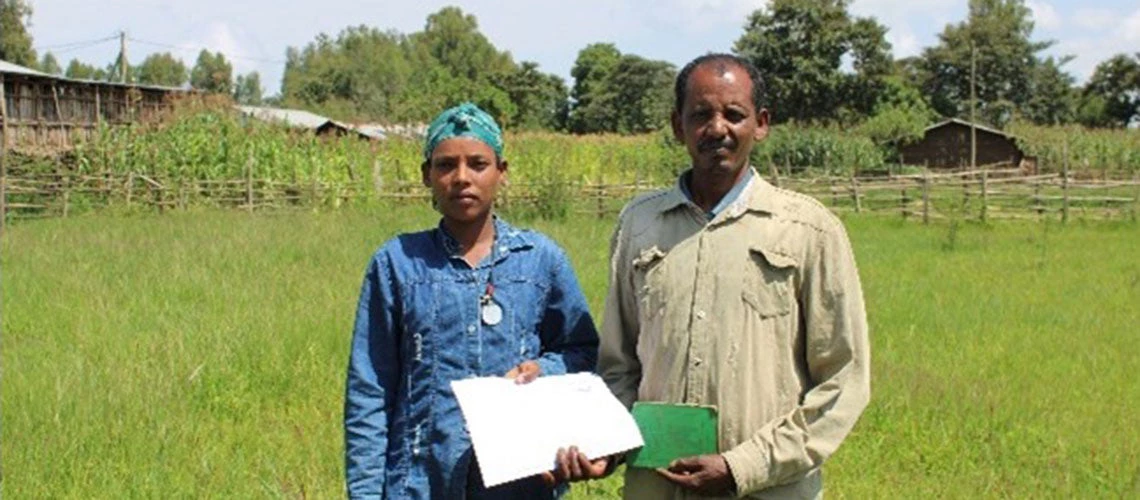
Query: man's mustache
(713, 145)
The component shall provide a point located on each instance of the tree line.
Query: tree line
(822, 65)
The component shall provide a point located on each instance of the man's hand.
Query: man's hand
(704, 474)
(573, 465)
(525, 372)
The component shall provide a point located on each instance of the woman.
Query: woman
(474, 296)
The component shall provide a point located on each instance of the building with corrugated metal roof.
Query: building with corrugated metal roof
(38, 110)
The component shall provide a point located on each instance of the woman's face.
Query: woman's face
(464, 175)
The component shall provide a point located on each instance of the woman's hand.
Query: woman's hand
(525, 372)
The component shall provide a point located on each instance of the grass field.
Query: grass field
(203, 354)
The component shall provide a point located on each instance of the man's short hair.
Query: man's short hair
(681, 86)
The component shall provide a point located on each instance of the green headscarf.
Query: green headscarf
(464, 120)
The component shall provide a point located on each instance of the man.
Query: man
(729, 292)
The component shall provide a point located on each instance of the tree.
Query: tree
(161, 69)
(591, 71)
(641, 93)
(1052, 98)
(472, 68)
(50, 65)
(247, 89)
(996, 34)
(80, 70)
(900, 117)
(15, 41)
(453, 39)
(212, 73)
(619, 93)
(540, 99)
(1112, 95)
(799, 46)
(368, 74)
(363, 71)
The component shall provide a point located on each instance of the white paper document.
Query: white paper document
(517, 429)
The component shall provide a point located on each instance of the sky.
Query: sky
(254, 34)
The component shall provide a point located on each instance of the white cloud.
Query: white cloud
(1130, 29)
(1099, 34)
(1044, 15)
(903, 42)
(1094, 18)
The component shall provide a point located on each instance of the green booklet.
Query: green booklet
(672, 431)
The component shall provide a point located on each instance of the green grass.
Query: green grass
(203, 354)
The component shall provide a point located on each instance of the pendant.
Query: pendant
(491, 312)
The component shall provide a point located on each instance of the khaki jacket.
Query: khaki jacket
(758, 312)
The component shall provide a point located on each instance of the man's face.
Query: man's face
(718, 122)
(464, 175)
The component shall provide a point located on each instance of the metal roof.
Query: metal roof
(297, 118)
(967, 124)
(369, 130)
(7, 67)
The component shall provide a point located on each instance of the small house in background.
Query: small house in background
(946, 145)
(304, 120)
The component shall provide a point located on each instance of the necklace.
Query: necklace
(489, 310)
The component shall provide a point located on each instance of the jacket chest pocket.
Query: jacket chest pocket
(649, 282)
(768, 283)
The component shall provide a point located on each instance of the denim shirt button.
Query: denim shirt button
(470, 328)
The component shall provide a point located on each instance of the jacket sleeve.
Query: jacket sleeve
(837, 355)
(569, 337)
(370, 387)
(618, 363)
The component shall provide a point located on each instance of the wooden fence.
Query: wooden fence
(981, 194)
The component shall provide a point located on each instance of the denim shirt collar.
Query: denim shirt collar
(507, 237)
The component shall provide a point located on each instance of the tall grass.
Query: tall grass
(203, 354)
(204, 139)
(1103, 153)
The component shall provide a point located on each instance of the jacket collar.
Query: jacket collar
(758, 196)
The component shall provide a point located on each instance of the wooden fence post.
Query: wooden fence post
(1065, 185)
(159, 197)
(130, 188)
(926, 197)
(65, 187)
(1037, 201)
(985, 194)
(3, 157)
(834, 192)
(377, 181)
(1135, 195)
(775, 174)
(855, 194)
(903, 202)
(965, 191)
(601, 195)
(249, 184)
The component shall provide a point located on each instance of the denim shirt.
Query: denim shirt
(418, 327)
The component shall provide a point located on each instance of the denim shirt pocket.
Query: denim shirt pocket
(524, 300)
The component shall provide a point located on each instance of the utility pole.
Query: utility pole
(973, 107)
(123, 56)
